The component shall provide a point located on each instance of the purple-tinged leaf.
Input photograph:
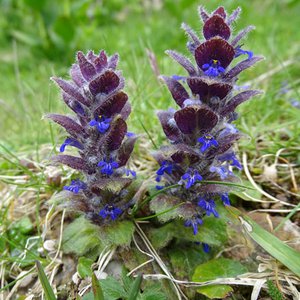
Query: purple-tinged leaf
(113, 61)
(72, 127)
(101, 61)
(183, 61)
(177, 90)
(76, 75)
(116, 134)
(187, 210)
(77, 202)
(87, 69)
(195, 118)
(220, 11)
(71, 90)
(243, 65)
(234, 16)
(113, 105)
(115, 185)
(73, 162)
(241, 34)
(126, 110)
(203, 14)
(225, 143)
(237, 100)
(125, 150)
(207, 88)
(162, 203)
(91, 56)
(168, 124)
(73, 104)
(214, 49)
(189, 31)
(216, 26)
(185, 155)
(105, 83)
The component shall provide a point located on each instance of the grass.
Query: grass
(270, 122)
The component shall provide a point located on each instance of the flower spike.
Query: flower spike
(200, 131)
(99, 132)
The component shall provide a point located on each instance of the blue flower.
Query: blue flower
(130, 134)
(229, 129)
(207, 141)
(70, 142)
(110, 211)
(205, 247)
(102, 123)
(231, 157)
(223, 171)
(239, 51)
(159, 187)
(166, 167)
(225, 199)
(191, 177)
(129, 172)
(108, 166)
(209, 206)
(213, 68)
(193, 223)
(75, 186)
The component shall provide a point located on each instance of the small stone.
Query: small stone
(49, 245)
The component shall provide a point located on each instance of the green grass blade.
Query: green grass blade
(135, 289)
(287, 217)
(97, 290)
(44, 281)
(279, 250)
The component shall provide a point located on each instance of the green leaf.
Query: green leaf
(250, 192)
(282, 252)
(184, 259)
(86, 239)
(84, 267)
(217, 268)
(44, 281)
(24, 225)
(165, 207)
(212, 232)
(135, 288)
(117, 233)
(273, 291)
(81, 237)
(152, 292)
(97, 291)
(126, 280)
(112, 289)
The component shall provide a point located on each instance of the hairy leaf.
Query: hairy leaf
(72, 127)
(183, 61)
(88, 71)
(177, 90)
(216, 26)
(104, 83)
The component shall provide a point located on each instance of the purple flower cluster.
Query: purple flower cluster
(201, 132)
(99, 131)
